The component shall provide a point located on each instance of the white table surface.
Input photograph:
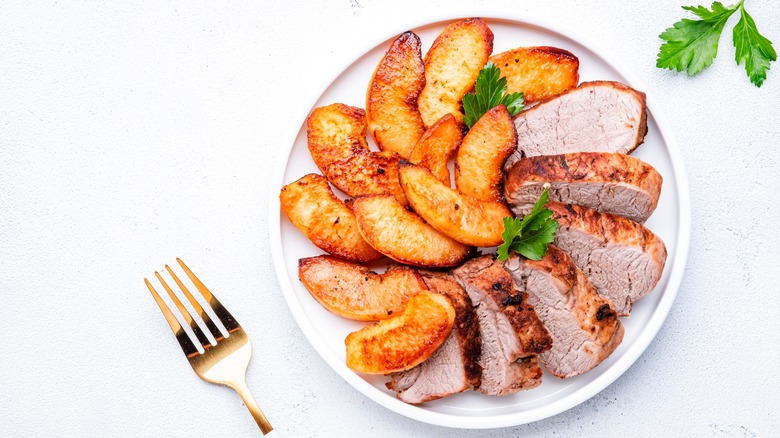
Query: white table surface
(131, 134)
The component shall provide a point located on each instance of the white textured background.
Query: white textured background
(134, 133)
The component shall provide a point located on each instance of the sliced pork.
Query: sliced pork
(584, 326)
(606, 182)
(454, 367)
(599, 116)
(623, 259)
(511, 332)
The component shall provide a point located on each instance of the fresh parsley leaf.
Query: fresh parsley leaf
(489, 92)
(511, 229)
(753, 49)
(530, 235)
(718, 13)
(534, 245)
(691, 45)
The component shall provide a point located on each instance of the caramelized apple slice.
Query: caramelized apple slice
(437, 145)
(369, 173)
(452, 65)
(403, 341)
(403, 236)
(538, 72)
(480, 159)
(354, 291)
(335, 132)
(325, 219)
(391, 101)
(460, 217)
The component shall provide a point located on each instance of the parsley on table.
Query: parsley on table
(489, 92)
(530, 235)
(691, 45)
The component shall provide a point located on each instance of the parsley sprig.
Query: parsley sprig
(691, 45)
(489, 92)
(530, 235)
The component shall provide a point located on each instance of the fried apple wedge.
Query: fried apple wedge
(404, 236)
(354, 291)
(481, 156)
(337, 142)
(325, 219)
(437, 145)
(452, 65)
(461, 217)
(336, 132)
(391, 101)
(367, 173)
(403, 341)
(539, 72)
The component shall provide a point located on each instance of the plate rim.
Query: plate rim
(601, 382)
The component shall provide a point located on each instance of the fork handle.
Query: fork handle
(265, 427)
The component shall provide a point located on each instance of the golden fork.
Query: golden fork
(224, 361)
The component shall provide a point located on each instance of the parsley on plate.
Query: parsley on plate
(530, 235)
(489, 92)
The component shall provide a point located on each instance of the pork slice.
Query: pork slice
(584, 326)
(606, 182)
(600, 116)
(454, 367)
(511, 332)
(622, 259)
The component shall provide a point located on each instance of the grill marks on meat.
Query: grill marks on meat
(584, 326)
(623, 259)
(511, 332)
(606, 182)
(454, 367)
(599, 116)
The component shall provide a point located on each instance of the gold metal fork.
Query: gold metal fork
(223, 361)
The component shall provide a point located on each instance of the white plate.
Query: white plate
(326, 332)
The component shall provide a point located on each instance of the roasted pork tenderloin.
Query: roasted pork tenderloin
(511, 332)
(454, 367)
(622, 258)
(584, 326)
(600, 116)
(606, 182)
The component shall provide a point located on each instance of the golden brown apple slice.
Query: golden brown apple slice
(404, 341)
(335, 132)
(437, 145)
(391, 101)
(337, 142)
(452, 65)
(461, 217)
(368, 173)
(353, 291)
(325, 219)
(481, 156)
(539, 72)
(403, 236)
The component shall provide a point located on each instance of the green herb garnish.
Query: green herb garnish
(530, 235)
(489, 92)
(691, 45)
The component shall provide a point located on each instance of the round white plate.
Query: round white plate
(326, 332)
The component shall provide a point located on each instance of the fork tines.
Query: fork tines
(221, 313)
